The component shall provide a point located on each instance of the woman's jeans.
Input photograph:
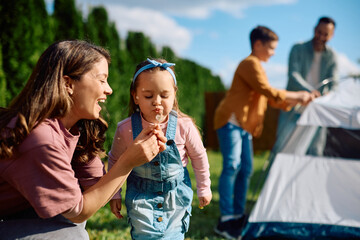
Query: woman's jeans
(236, 149)
(31, 227)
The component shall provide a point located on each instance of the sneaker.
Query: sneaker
(228, 229)
(241, 222)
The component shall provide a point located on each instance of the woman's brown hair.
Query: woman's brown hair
(44, 96)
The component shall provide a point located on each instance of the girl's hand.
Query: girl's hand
(204, 201)
(115, 205)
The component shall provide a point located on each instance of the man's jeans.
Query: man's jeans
(236, 149)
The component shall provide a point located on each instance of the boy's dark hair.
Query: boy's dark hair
(326, 20)
(263, 34)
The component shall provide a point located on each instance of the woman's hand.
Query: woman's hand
(146, 146)
(161, 138)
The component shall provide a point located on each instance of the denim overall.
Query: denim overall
(158, 193)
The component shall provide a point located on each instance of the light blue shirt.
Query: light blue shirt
(300, 60)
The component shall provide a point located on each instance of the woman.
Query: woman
(52, 179)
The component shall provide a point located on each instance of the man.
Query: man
(310, 63)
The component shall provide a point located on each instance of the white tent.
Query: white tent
(314, 192)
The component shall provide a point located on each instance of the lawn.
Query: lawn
(104, 226)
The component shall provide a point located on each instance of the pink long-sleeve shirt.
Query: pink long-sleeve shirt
(188, 142)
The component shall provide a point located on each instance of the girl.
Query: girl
(159, 194)
(51, 140)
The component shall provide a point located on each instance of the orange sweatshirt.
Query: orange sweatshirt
(248, 97)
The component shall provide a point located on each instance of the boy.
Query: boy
(238, 117)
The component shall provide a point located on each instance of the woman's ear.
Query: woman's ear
(68, 85)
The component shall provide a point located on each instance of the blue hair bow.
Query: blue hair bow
(153, 64)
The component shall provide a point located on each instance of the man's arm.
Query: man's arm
(296, 80)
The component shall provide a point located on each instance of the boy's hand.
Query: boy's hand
(305, 97)
(115, 205)
(300, 97)
(315, 93)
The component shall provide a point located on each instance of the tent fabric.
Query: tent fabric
(302, 135)
(312, 189)
(340, 108)
(305, 194)
(299, 231)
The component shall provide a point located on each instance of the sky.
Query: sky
(215, 33)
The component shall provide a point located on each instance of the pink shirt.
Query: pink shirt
(188, 142)
(42, 176)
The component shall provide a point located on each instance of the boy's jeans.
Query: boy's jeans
(236, 149)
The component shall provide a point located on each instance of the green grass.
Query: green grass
(104, 226)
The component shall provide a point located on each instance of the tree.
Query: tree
(68, 20)
(102, 32)
(27, 29)
(43, 31)
(23, 24)
(168, 54)
(193, 81)
(3, 92)
(139, 47)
